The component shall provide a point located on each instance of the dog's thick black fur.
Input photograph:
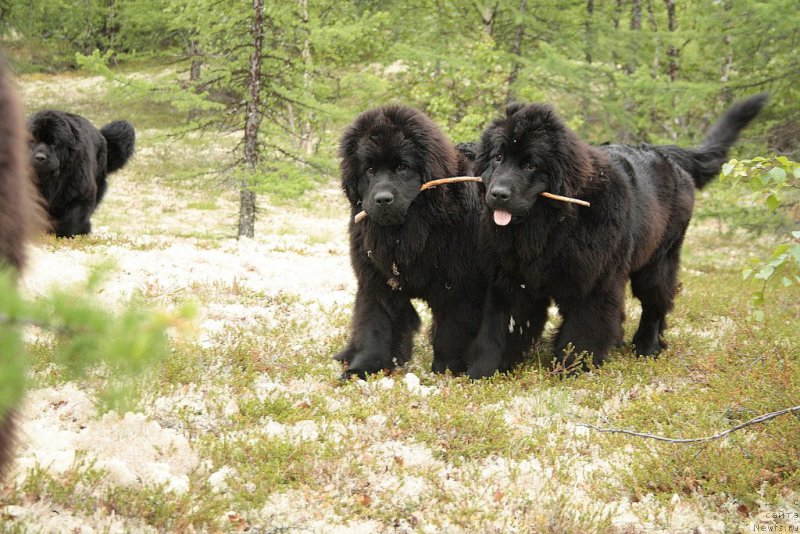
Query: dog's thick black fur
(21, 217)
(536, 251)
(72, 160)
(412, 244)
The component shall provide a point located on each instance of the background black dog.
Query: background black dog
(72, 160)
(412, 245)
(20, 218)
(536, 250)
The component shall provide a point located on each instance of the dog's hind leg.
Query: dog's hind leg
(655, 286)
(454, 325)
(456, 320)
(485, 355)
(592, 324)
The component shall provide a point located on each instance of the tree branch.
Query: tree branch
(760, 419)
(44, 325)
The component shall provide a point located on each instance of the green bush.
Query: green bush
(775, 182)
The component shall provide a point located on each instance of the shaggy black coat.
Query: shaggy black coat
(537, 251)
(72, 160)
(20, 218)
(412, 244)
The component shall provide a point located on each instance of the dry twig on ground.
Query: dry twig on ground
(760, 419)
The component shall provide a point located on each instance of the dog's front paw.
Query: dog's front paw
(362, 365)
(647, 343)
(345, 355)
(484, 362)
(442, 365)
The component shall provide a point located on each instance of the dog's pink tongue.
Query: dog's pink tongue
(501, 218)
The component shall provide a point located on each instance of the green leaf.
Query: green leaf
(780, 250)
(778, 174)
(758, 315)
(765, 272)
(728, 168)
(794, 250)
(773, 202)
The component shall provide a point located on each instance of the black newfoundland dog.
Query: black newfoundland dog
(536, 251)
(20, 218)
(72, 160)
(412, 244)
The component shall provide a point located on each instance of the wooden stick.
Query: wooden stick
(565, 199)
(361, 215)
(454, 180)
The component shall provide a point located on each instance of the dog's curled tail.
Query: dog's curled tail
(705, 162)
(121, 138)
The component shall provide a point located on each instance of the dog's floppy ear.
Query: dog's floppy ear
(350, 180)
(349, 164)
(571, 164)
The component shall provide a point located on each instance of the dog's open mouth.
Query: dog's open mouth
(501, 217)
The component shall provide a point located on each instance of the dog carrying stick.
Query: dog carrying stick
(361, 215)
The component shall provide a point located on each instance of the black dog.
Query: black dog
(21, 218)
(537, 250)
(72, 160)
(412, 244)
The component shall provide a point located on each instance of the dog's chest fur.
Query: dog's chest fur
(409, 259)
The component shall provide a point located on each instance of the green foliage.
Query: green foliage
(71, 489)
(258, 395)
(464, 94)
(156, 90)
(116, 347)
(776, 182)
(13, 363)
(620, 71)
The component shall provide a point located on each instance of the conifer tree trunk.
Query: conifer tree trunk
(588, 35)
(517, 50)
(636, 26)
(487, 18)
(197, 61)
(306, 145)
(247, 197)
(672, 51)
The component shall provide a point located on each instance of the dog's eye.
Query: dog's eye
(528, 167)
(401, 168)
(370, 171)
(498, 158)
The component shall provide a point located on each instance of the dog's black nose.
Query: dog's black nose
(39, 156)
(384, 198)
(500, 192)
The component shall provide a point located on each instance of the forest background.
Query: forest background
(246, 101)
(621, 71)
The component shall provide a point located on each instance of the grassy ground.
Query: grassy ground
(247, 428)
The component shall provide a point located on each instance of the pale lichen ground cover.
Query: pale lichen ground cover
(247, 427)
